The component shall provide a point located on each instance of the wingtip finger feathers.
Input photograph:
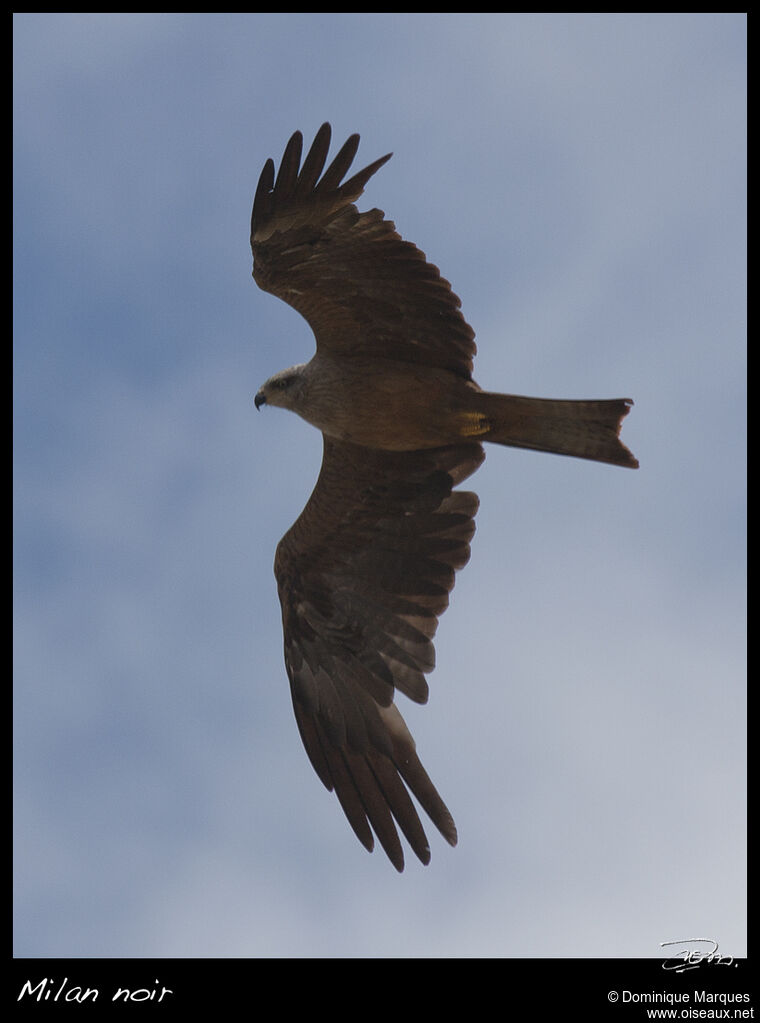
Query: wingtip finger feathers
(296, 182)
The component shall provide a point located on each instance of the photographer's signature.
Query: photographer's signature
(689, 957)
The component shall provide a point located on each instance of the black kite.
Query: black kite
(366, 571)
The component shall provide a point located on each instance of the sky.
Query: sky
(581, 181)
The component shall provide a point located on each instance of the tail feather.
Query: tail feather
(584, 429)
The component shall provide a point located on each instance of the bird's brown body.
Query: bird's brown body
(365, 572)
(395, 406)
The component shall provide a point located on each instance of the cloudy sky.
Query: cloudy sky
(580, 180)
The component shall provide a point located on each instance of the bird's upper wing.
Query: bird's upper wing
(363, 575)
(360, 286)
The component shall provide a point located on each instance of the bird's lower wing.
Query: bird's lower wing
(363, 576)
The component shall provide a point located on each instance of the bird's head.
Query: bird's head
(283, 389)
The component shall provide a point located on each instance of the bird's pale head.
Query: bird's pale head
(283, 389)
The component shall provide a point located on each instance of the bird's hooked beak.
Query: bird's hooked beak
(260, 399)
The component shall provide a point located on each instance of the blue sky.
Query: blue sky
(580, 179)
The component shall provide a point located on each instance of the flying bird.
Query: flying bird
(366, 570)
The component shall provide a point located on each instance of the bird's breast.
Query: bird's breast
(384, 404)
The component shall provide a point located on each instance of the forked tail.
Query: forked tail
(584, 429)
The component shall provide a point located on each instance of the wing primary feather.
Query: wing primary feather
(334, 173)
(350, 799)
(263, 190)
(376, 807)
(354, 187)
(308, 730)
(418, 780)
(402, 806)
(288, 172)
(329, 764)
(313, 164)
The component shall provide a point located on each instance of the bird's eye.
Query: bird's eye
(283, 383)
